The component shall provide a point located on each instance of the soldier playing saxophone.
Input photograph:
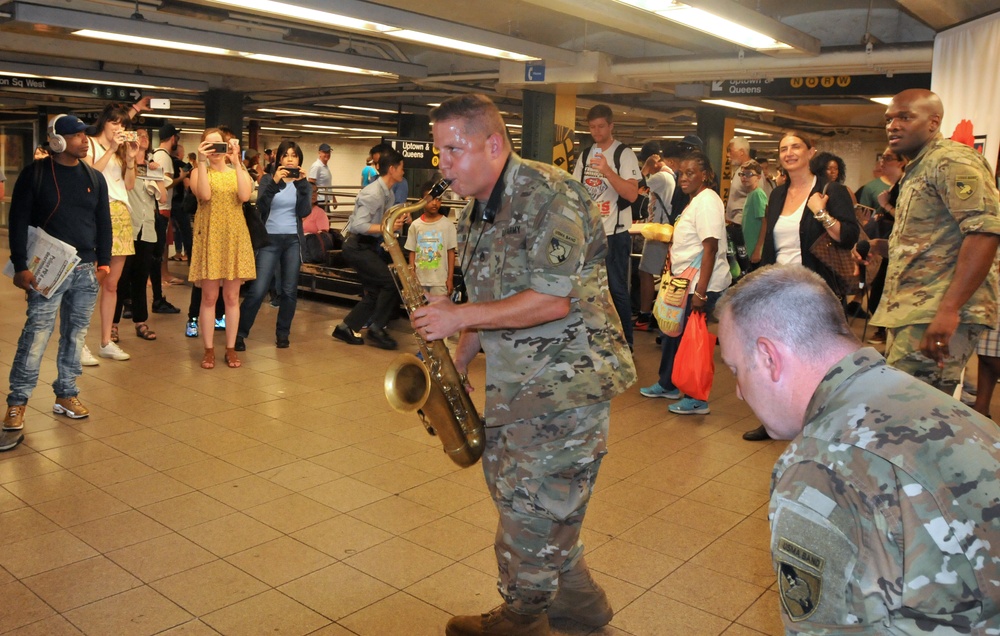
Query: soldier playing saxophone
(532, 248)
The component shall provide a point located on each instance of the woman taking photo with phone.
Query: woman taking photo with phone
(112, 153)
(221, 254)
(805, 208)
(283, 200)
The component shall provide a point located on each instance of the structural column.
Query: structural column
(224, 108)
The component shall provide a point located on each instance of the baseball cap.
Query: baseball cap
(324, 147)
(167, 131)
(693, 141)
(673, 150)
(649, 148)
(69, 125)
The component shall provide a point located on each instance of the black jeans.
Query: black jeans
(379, 297)
(156, 257)
(132, 284)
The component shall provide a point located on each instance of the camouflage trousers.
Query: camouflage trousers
(902, 350)
(540, 473)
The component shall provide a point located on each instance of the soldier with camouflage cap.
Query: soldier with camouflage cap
(885, 508)
(532, 247)
(941, 285)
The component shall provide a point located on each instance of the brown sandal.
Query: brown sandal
(208, 362)
(114, 333)
(232, 360)
(143, 331)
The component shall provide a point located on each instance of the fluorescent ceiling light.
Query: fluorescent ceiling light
(157, 114)
(263, 57)
(279, 129)
(365, 108)
(212, 50)
(313, 113)
(671, 136)
(141, 41)
(709, 23)
(885, 101)
(747, 131)
(737, 105)
(286, 10)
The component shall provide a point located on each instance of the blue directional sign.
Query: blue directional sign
(534, 72)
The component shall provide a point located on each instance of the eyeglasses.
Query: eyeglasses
(747, 175)
(888, 158)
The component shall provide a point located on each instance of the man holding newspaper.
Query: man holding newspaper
(61, 203)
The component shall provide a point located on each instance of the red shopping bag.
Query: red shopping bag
(694, 364)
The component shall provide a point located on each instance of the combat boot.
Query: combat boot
(580, 598)
(500, 621)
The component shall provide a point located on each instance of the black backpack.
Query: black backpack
(635, 207)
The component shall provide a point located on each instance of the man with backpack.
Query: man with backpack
(68, 200)
(610, 172)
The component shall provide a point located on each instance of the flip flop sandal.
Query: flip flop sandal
(143, 331)
(114, 333)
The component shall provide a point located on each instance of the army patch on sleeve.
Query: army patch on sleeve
(560, 247)
(966, 185)
(800, 579)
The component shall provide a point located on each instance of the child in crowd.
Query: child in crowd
(431, 243)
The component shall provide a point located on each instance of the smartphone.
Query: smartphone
(158, 103)
(220, 148)
(131, 135)
(293, 171)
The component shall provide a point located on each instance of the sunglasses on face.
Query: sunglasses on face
(747, 175)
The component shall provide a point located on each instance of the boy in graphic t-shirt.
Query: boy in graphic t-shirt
(431, 243)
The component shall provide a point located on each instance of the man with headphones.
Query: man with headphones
(532, 247)
(69, 201)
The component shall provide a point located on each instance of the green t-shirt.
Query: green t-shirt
(753, 216)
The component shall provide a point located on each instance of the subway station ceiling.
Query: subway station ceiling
(287, 59)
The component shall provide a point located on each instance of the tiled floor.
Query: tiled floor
(286, 497)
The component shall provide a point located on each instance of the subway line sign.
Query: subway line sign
(821, 85)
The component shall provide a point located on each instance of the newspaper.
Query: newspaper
(149, 174)
(49, 259)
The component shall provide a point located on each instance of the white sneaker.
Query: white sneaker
(87, 359)
(113, 351)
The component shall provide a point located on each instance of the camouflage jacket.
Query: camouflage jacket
(546, 236)
(946, 192)
(885, 510)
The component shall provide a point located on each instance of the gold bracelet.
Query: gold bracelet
(699, 296)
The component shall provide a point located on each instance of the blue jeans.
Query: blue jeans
(284, 251)
(74, 300)
(618, 262)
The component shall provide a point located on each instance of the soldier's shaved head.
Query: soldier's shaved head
(913, 118)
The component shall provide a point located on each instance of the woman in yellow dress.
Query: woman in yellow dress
(221, 255)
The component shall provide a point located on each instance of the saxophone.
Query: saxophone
(432, 387)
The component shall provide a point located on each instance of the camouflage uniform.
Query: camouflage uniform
(885, 511)
(946, 192)
(548, 387)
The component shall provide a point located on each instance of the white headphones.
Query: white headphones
(57, 143)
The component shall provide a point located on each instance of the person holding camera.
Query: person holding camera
(112, 152)
(222, 256)
(283, 200)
